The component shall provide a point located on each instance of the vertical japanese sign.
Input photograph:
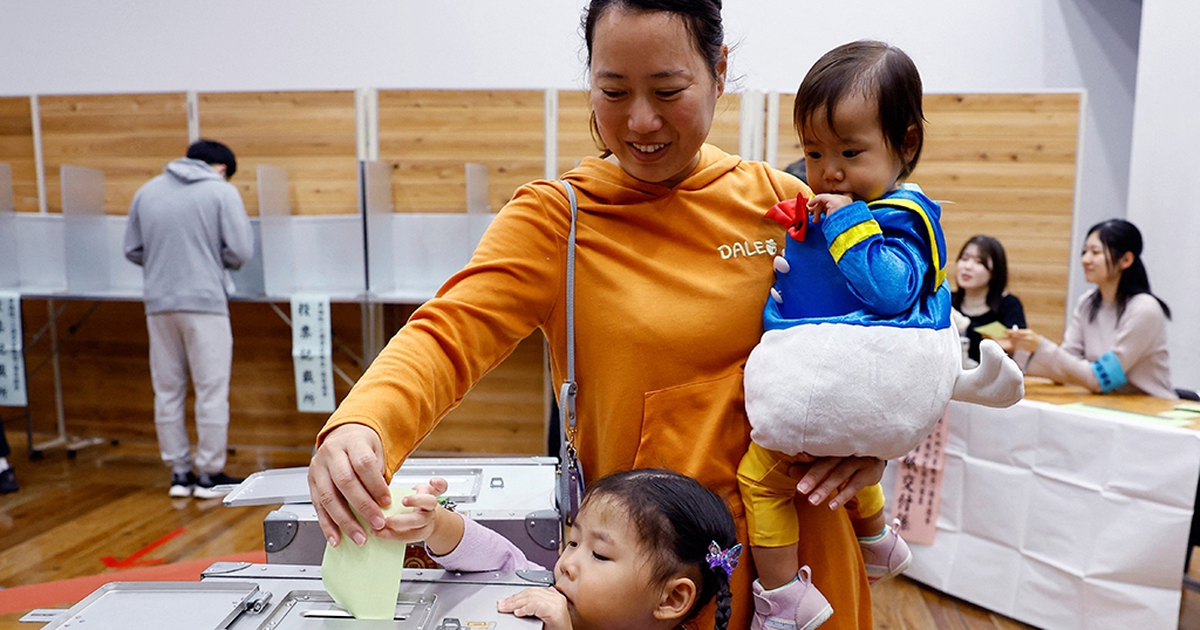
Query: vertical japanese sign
(12, 352)
(312, 353)
(918, 494)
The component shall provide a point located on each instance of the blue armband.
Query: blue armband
(1109, 372)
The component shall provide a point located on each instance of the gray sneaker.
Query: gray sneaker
(215, 485)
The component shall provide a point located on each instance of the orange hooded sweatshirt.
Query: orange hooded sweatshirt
(670, 286)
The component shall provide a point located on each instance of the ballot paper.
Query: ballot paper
(994, 330)
(366, 580)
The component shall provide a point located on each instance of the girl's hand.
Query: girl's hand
(1025, 339)
(826, 203)
(348, 470)
(425, 522)
(546, 604)
(836, 479)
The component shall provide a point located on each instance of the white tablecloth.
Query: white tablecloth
(1063, 518)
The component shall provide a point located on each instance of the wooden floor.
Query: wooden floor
(111, 500)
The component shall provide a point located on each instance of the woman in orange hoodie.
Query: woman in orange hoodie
(673, 260)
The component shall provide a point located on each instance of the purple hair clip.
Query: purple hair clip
(727, 559)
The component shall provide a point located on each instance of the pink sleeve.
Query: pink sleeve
(1056, 363)
(482, 549)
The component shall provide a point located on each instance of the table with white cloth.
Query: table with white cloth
(1065, 515)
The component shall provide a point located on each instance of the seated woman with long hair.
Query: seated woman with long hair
(1117, 338)
(981, 275)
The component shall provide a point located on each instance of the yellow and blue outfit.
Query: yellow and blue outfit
(858, 356)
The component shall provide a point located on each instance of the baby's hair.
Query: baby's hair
(873, 70)
(676, 518)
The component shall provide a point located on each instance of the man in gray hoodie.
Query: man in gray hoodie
(187, 228)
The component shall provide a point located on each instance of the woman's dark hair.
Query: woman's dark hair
(991, 254)
(676, 518)
(701, 18)
(873, 70)
(213, 152)
(1118, 237)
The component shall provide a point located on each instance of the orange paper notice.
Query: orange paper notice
(917, 499)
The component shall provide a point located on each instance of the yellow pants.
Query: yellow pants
(768, 493)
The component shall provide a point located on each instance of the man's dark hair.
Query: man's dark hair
(213, 152)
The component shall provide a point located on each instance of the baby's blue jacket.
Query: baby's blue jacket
(889, 269)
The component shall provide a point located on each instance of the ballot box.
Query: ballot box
(244, 596)
(513, 496)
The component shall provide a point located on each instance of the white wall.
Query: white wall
(1099, 52)
(61, 46)
(1164, 170)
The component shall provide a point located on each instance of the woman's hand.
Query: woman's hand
(961, 322)
(349, 470)
(546, 604)
(836, 479)
(1025, 339)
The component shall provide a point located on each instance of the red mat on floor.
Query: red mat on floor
(63, 593)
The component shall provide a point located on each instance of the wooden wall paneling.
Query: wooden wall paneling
(310, 134)
(106, 373)
(16, 150)
(575, 138)
(107, 391)
(428, 136)
(128, 136)
(1008, 164)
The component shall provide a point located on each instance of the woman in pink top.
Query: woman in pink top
(1117, 338)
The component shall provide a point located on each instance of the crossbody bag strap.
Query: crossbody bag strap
(570, 478)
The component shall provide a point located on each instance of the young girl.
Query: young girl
(981, 274)
(649, 549)
(859, 356)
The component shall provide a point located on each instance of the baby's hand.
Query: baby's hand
(827, 203)
(546, 604)
(422, 523)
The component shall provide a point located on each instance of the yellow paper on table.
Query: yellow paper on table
(994, 330)
(366, 580)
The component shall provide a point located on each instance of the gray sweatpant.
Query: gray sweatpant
(199, 345)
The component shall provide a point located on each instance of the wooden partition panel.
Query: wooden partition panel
(1007, 162)
(309, 134)
(127, 136)
(574, 127)
(429, 135)
(107, 391)
(16, 150)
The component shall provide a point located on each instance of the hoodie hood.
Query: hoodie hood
(609, 185)
(189, 171)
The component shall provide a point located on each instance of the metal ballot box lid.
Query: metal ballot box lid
(429, 599)
(480, 487)
(137, 605)
(246, 596)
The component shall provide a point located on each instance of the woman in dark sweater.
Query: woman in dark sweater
(981, 274)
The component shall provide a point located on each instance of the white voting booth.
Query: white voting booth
(307, 254)
(410, 255)
(9, 260)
